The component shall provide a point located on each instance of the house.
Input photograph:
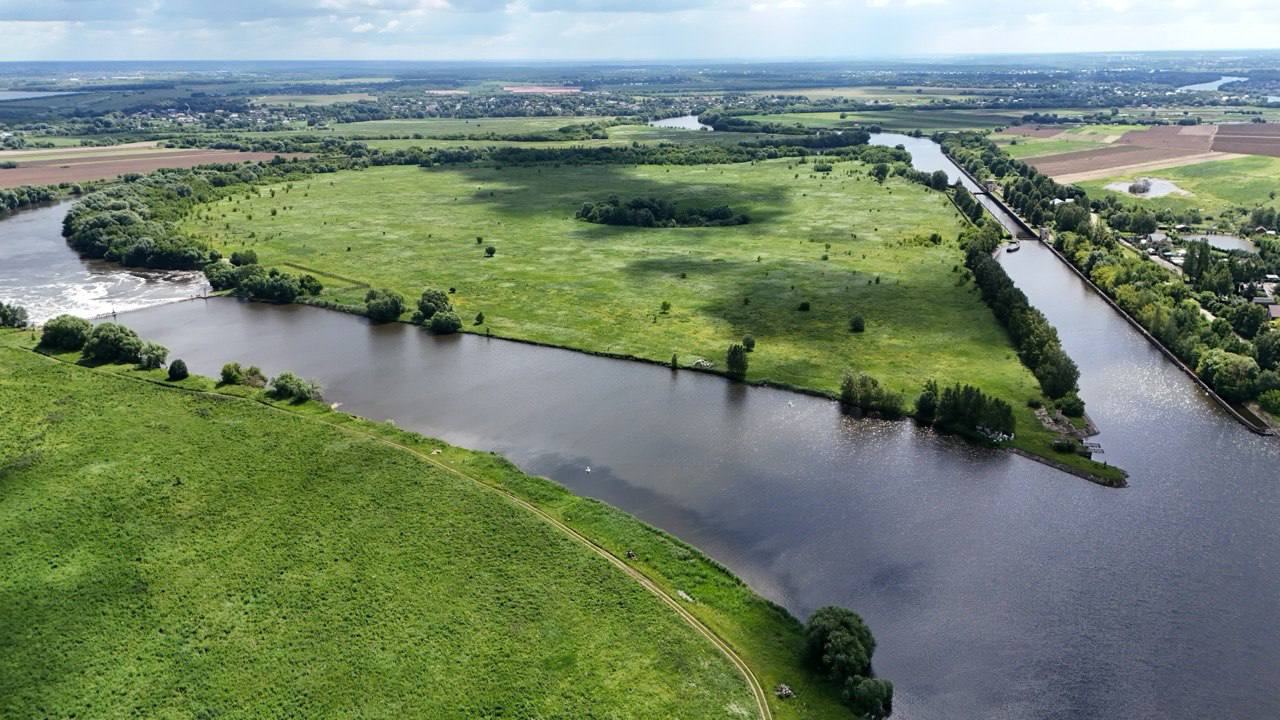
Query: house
(1264, 300)
(1273, 311)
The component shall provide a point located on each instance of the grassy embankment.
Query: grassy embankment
(1214, 186)
(564, 282)
(171, 553)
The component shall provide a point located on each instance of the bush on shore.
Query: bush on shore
(65, 333)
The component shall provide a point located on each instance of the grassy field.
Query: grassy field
(193, 553)
(618, 135)
(564, 282)
(1214, 186)
(1028, 147)
(897, 119)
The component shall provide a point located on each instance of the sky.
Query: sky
(619, 29)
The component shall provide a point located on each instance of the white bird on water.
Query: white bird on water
(588, 468)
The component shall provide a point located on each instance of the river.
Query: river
(683, 122)
(997, 587)
(1213, 85)
(39, 272)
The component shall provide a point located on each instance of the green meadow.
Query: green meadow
(1213, 186)
(840, 242)
(187, 550)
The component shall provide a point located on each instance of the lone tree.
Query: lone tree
(383, 305)
(445, 323)
(736, 362)
(490, 251)
(152, 356)
(178, 370)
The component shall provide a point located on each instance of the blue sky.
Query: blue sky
(618, 29)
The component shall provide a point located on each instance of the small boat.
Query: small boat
(1013, 246)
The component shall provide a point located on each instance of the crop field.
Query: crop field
(565, 282)
(1250, 139)
(1213, 186)
(906, 95)
(618, 135)
(48, 167)
(1023, 147)
(896, 119)
(179, 553)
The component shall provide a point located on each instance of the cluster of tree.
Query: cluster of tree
(967, 203)
(258, 283)
(1236, 367)
(106, 343)
(24, 196)
(864, 394)
(816, 140)
(287, 386)
(12, 315)
(1031, 194)
(965, 410)
(839, 645)
(135, 223)
(657, 212)
(1036, 340)
(726, 122)
(436, 312)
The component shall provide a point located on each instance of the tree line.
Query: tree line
(657, 212)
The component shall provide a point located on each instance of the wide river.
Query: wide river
(997, 587)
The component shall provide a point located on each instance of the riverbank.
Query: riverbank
(764, 636)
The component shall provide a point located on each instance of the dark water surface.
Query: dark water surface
(997, 587)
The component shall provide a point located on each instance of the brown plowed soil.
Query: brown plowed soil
(1195, 138)
(1114, 156)
(86, 167)
(1250, 138)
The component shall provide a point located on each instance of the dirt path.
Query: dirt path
(757, 691)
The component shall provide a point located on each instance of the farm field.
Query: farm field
(1022, 147)
(565, 282)
(105, 163)
(909, 95)
(896, 119)
(1214, 186)
(618, 135)
(246, 559)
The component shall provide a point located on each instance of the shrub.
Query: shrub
(254, 377)
(1064, 445)
(1071, 406)
(232, 374)
(287, 386)
(748, 343)
(432, 302)
(178, 370)
(445, 323)
(804, 306)
(14, 316)
(857, 324)
(383, 305)
(490, 251)
(736, 362)
(244, 257)
(112, 343)
(479, 318)
(152, 356)
(65, 333)
(1270, 401)
(870, 697)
